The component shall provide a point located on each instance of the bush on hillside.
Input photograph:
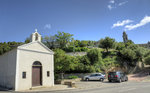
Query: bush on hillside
(73, 77)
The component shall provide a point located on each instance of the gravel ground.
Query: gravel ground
(138, 77)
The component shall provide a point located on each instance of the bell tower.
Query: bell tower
(35, 36)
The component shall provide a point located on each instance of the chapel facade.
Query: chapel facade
(27, 66)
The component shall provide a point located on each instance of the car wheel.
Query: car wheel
(126, 78)
(87, 79)
(109, 80)
(101, 79)
(120, 80)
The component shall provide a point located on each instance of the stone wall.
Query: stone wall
(77, 53)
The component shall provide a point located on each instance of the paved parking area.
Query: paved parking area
(97, 84)
(83, 86)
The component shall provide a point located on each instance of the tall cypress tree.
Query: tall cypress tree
(125, 37)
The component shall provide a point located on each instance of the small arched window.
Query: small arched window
(36, 36)
(37, 63)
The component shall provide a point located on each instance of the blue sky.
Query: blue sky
(86, 19)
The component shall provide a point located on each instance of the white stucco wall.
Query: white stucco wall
(8, 69)
(27, 55)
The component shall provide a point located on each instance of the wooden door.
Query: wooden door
(36, 76)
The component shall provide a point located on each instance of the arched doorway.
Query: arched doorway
(36, 74)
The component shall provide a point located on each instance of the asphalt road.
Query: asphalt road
(129, 87)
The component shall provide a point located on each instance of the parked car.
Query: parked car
(95, 76)
(117, 76)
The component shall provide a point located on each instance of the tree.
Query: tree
(63, 39)
(106, 43)
(120, 46)
(27, 40)
(128, 55)
(91, 43)
(4, 47)
(140, 52)
(128, 43)
(84, 60)
(147, 53)
(83, 43)
(94, 56)
(108, 63)
(50, 41)
(61, 62)
(147, 60)
(133, 47)
(76, 43)
(125, 37)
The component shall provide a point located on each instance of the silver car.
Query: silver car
(95, 76)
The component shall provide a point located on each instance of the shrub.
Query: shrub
(69, 49)
(84, 49)
(78, 49)
(72, 77)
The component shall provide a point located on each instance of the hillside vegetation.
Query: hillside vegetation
(101, 55)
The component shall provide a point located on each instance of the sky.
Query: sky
(85, 19)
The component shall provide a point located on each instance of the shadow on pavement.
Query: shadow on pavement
(109, 82)
(4, 89)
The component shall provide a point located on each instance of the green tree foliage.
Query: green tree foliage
(83, 43)
(120, 46)
(128, 43)
(27, 40)
(91, 43)
(106, 43)
(77, 43)
(94, 56)
(84, 60)
(140, 52)
(74, 63)
(76, 49)
(84, 65)
(5, 47)
(125, 37)
(128, 55)
(63, 39)
(61, 61)
(133, 47)
(147, 53)
(50, 42)
(132, 54)
(108, 63)
(147, 60)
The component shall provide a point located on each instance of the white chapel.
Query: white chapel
(27, 66)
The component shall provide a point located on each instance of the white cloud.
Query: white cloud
(119, 23)
(143, 22)
(47, 26)
(113, 4)
(112, 1)
(122, 3)
(109, 7)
